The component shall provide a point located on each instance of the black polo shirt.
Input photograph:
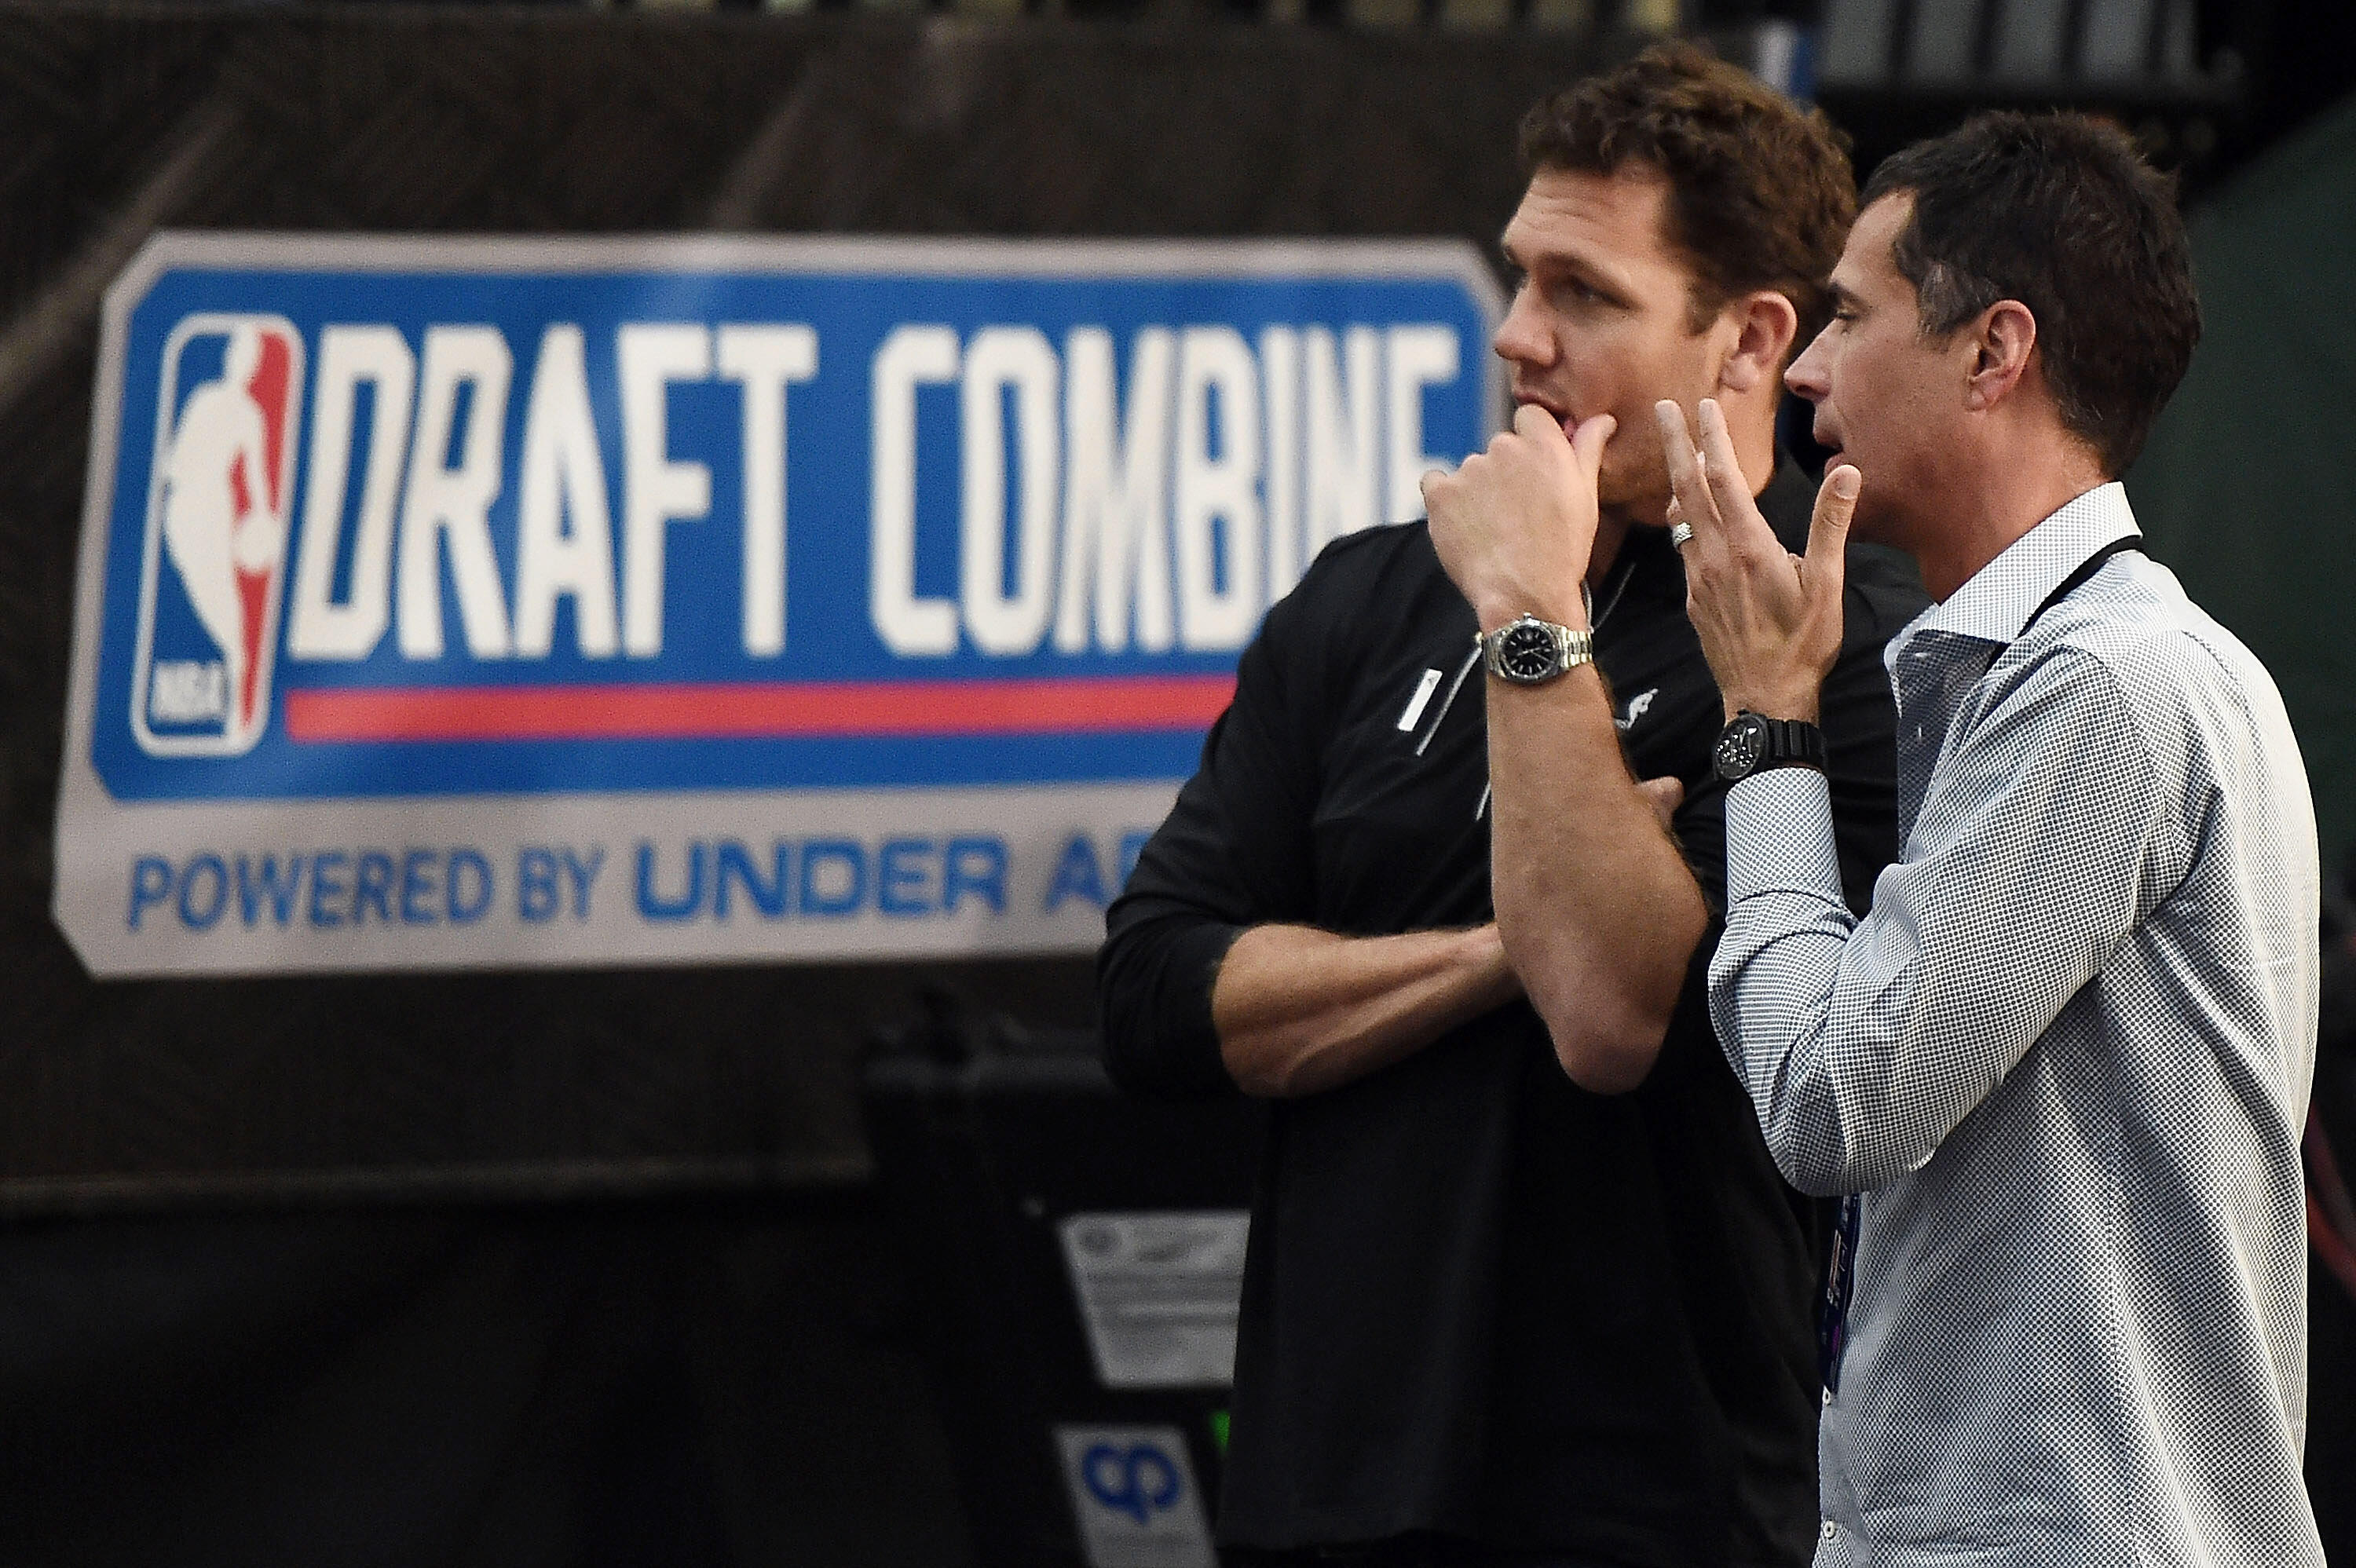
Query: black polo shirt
(1478, 1299)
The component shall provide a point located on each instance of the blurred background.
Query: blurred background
(767, 1263)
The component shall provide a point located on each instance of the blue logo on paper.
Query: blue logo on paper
(1138, 1481)
(403, 518)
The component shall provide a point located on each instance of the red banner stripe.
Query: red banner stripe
(738, 712)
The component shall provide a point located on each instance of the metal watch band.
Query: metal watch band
(1527, 651)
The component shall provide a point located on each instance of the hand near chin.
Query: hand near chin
(1770, 622)
(1515, 525)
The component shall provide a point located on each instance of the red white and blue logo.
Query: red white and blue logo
(215, 548)
(468, 524)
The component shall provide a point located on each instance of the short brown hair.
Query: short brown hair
(1760, 192)
(2060, 212)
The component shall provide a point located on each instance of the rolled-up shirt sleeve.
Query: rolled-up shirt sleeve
(1234, 852)
(2044, 837)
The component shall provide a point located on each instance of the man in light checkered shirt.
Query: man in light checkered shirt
(2060, 1069)
(2057, 1072)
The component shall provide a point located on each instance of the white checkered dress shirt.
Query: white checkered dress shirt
(2065, 1059)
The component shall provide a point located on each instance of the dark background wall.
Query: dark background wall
(116, 121)
(572, 1267)
(555, 1267)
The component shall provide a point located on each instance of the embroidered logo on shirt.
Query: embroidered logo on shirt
(1636, 706)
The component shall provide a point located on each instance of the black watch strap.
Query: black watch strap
(1754, 742)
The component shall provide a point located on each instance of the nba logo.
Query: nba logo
(217, 515)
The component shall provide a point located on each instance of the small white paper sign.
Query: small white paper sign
(1159, 1293)
(1134, 1497)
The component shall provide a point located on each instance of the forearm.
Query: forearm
(1863, 1042)
(1825, 1032)
(1300, 1010)
(1599, 914)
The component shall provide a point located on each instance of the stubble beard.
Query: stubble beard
(1642, 497)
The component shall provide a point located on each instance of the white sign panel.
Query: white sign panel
(1134, 1497)
(484, 602)
(1159, 1293)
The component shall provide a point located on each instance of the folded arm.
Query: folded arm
(1598, 911)
(1213, 977)
(1299, 1011)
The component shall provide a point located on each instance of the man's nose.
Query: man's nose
(1806, 377)
(1520, 337)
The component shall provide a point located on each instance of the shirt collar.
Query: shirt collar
(2000, 597)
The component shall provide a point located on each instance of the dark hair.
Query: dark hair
(2061, 213)
(1760, 194)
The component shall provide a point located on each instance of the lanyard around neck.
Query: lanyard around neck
(2077, 580)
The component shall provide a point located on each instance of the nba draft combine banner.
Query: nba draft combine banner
(490, 602)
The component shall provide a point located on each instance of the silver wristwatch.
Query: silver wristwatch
(1530, 652)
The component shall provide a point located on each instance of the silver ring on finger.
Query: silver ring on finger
(1680, 534)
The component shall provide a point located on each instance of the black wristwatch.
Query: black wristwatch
(1754, 742)
(1527, 651)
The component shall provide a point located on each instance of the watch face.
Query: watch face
(1528, 652)
(1740, 746)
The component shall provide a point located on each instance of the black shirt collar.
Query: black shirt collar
(1788, 502)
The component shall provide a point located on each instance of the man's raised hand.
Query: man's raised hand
(1515, 525)
(1770, 621)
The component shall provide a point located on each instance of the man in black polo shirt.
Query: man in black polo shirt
(1519, 1290)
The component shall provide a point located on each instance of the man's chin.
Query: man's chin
(1637, 501)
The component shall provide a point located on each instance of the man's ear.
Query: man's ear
(2001, 342)
(1764, 325)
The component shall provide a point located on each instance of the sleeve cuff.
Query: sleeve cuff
(1779, 835)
